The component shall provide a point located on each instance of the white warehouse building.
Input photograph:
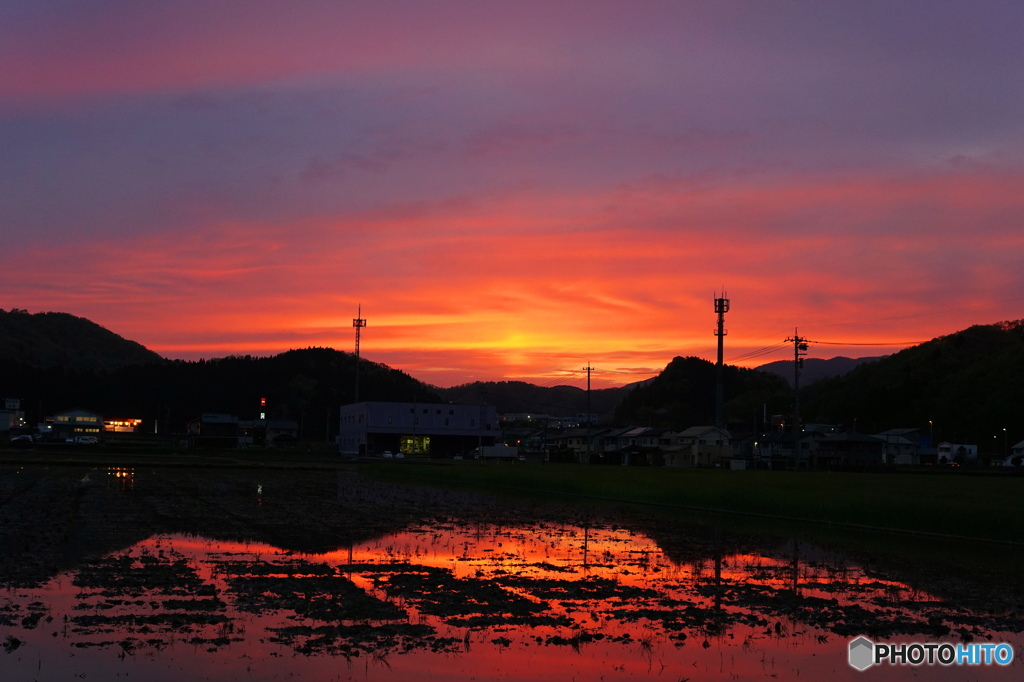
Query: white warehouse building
(429, 429)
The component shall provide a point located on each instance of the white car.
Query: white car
(387, 454)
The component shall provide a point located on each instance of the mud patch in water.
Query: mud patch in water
(484, 590)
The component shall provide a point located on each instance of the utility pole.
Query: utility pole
(721, 307)
(799, 350)
(588, 369)
(358, 323)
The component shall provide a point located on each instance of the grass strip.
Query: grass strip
(976, 507)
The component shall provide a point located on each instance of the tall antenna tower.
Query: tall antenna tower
(588, 369)
(721, 308)
(358, 323)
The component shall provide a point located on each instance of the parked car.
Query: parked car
(87, 440)
(387, 454)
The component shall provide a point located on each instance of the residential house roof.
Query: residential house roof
(698, 431)
(852, 437)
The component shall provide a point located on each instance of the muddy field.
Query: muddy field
(322, 574)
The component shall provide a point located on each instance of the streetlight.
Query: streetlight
(1006, 444)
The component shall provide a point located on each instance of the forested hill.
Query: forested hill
(683, 395)
(305, 385)
(44, 340)
(970, 385)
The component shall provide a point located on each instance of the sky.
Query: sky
(514, 190)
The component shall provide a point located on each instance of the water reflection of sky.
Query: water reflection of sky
(451, 601)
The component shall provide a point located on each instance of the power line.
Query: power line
(851, 343)
(767, 350)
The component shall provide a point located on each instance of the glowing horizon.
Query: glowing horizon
(514, 192)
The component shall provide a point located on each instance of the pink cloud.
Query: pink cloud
(531, 283)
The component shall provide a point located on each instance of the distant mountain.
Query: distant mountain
(966, 387)
(520, 397)
(45, 340)
(814, 368)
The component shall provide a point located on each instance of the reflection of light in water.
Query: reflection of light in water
(598, 602)
(125, 476)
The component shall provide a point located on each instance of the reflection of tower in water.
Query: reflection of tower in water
(795, 565)
(586, 544)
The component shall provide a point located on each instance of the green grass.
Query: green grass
(982, 507)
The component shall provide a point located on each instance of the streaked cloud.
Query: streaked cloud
(513, 190)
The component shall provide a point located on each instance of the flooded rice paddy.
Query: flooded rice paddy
(243, 575)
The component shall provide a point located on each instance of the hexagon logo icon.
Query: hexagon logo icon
(862, 653)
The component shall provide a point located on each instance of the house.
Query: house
(778, 450)
(434, 429)
(213, 430)
(72, 424)
(268, 433)
(700, 446)
(957, 453)
(122, 425)
(575, 442)
(775, 451)
(653, 443)
(1016, 457)
(631, 445)
(280, 433)
(628, 444)
(744, 450)
(11, 416)
(536, 440)
(901, 445)
(638, 445)
(534, 420)
(851, 449)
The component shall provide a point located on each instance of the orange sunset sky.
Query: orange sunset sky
(514, 190)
